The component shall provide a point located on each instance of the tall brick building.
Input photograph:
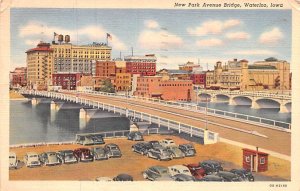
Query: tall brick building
(143, 65)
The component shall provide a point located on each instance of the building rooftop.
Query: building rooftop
(261, 67)
(175, 71)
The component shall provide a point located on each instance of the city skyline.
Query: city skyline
(175, 36)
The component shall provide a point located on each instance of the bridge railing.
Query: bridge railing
(194, 107)
(210, 111)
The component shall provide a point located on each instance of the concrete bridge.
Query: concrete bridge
(274, 141)
(257, 100)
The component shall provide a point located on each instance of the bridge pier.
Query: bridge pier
(232, 101)
(254, 105)
(213, 98)
(283, 108)
(54, 106)
(34, 101)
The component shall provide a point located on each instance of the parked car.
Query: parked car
(159, 154)
(229, 176)
(105, 179)
(135, 136)
(49, 158)
(123, 177)
(246, 175)
(212, 178)
(97, 139)
(84, 140)
(176, 152)
(155, 144)
(31, 159)
(188, 149)
(141, 147)
(167, 143)
(179, 169)
(66, 156)
(197, 171)
(112, 150)
(99, 153)
(13, 161)
(155, 173)
(183, 177)
(83, 154)
(211, 166)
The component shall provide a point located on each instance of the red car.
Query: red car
(83, 154)
(197, 171)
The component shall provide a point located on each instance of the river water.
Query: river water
(34, 124)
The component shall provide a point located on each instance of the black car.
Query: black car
(183, 177)
(246, 175)
(211, 166)
(66, 156)
(142, 147)
(135, 136)
(159, 154)
(229, 176)
(211, 178)
(123, 177)
(155, 144)
(188, 149)
(112, 150)
(156, 172)
(97, 139)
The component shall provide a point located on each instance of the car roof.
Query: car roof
(179, 167)
(65, 151)
(159, 167)
(211, 161)
(31, 153)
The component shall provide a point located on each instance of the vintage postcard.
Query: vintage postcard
(146, 95)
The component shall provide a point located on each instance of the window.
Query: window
(262, 160)
(247, 158)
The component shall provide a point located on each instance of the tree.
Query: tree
(107, 86)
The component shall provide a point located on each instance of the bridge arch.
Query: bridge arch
(241, 100)
(267, 103)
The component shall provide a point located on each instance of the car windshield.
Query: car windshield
(33, 156)
(185, 171)
(12, 157)
(98, 149)
(52, 154)
(114, 148)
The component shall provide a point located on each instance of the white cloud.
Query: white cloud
(213, 27)
(209, 43)
(253, 52)
(271, 37)
(237, 35)
(151, 24)
(149, 39)
(35, 31)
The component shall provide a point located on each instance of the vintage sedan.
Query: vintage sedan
(159, 154)
(31, 159)
(183, 177)
(179, 169)
(135, 136)
(246, 175)
(167, 143)
(84, 140)
(112, 150)
(141, 147)
(229, 176)
(197, 171)
(49, 158)
(123, 177)
(104, 179)
(155, 144)
(155, 173)
(13, 161)
(212, 178)
(99, 153)
(188, 149)
(66, 156)
(211, 166)
(83, 154)
(176, 152)
(97, 139)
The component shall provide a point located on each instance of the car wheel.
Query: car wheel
(158, 158)
(132, 148)
(145, 175)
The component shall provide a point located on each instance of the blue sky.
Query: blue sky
(175, 36)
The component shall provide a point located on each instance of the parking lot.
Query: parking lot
(133, 163)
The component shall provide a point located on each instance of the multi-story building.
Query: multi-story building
(199, 79)
(105, 68)
(78, 58)
(39, 66)
(66, 80)
(174, 74)
(18, 77)
(189, 67)
(209, 78)
(123, 82)
(158, 87)
(143, 65)
(120, 66)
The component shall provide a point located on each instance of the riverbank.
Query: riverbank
(13, 95)
(132, 163)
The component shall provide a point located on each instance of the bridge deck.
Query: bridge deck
(277, 141)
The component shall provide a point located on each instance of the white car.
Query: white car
(166, 143)
(104, 179)
(32, 159)
(13, 162)
(179, 169)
